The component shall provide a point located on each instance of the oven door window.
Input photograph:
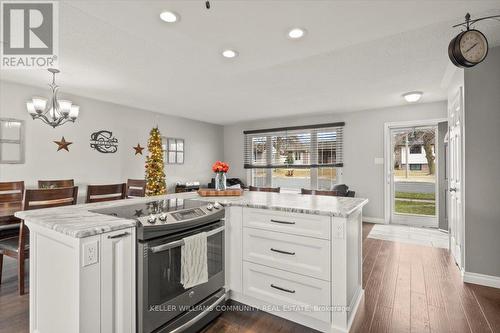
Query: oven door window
(164, 270)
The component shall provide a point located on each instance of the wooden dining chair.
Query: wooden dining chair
(57, 183)
(264, 189)
(319, 192)
(136, 188)
(11, 200)
(18, 247)
(98, 193)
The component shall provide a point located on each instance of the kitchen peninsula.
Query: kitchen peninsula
(296, 256)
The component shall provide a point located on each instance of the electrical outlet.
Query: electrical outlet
(90, 253)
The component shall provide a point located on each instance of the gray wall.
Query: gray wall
(482, 166)
(203, 141)
(364, 141)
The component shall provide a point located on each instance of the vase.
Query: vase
(220, 181)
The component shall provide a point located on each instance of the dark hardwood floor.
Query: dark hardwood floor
(408, 288)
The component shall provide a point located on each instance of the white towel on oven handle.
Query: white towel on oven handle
(194, 266)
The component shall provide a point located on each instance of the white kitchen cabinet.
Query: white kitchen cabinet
(118, 282)
(302, 267)
(83, 285)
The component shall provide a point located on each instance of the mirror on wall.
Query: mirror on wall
(11, 141)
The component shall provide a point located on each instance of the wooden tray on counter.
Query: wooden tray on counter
(210, 192)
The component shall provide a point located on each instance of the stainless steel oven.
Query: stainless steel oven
(163, 303)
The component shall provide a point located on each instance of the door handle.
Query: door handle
(453, 189)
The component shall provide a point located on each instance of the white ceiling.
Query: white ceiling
(356, 54)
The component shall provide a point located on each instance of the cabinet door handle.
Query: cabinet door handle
(283, 289)
(282, 222)
(283, 252)
(118, 235)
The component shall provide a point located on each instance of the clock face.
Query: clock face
(473, 46)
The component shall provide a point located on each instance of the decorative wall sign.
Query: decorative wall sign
(63, 144)
(104, 142)
(138, 149)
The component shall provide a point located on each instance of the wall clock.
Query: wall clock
(470, 47)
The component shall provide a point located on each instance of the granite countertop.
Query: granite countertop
(78, 221)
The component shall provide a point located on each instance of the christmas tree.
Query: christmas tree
(155, 176)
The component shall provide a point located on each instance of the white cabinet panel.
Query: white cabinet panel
(297, 254)
(316, 226)
(118, 282)
(308, 296)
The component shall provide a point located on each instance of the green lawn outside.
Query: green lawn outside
(415, 207)
(421, 196)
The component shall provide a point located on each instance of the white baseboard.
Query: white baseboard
(369, 219)
(482, 279)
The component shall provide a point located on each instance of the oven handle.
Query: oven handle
(196, 319)
(180, 242)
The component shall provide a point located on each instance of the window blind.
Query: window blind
(312, 146)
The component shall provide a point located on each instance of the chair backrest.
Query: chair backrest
(98, 193)
(50, 197)
(136, 188)
(11, 192)
(56, 183)
(342, 189)
(264, 189)
(319, 192)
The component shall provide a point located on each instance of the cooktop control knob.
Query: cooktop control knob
(152, 219)
(210, 206)
(217, 205)
(163, 217)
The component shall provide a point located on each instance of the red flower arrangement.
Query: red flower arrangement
(220, 166)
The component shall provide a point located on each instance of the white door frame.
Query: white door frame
(388, 158)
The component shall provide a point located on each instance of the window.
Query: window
(416, 149)
(417, 167)
(295, 157)
(11, 141)
(173, 150)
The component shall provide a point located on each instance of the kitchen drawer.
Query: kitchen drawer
(291, 291)
(308, 225)
(297, 254)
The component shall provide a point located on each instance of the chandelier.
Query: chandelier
(53, 112)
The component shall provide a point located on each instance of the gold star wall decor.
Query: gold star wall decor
(63, 144)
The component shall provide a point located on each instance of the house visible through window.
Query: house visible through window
(295, 157)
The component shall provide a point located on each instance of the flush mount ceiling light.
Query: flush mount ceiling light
(169, 17)
(229, 53)
(296, 33)
(413, 96)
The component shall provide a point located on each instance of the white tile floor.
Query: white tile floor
(408, 234)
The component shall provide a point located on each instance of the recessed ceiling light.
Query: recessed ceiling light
(169, 17)
(296, 33)
(229, 53)
(413, 96)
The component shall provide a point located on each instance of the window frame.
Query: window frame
(314, 171)
(20, 141)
